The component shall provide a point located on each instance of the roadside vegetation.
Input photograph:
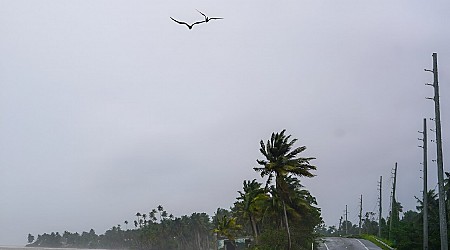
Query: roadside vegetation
(406, 231)
(382, 243)
(277, 214)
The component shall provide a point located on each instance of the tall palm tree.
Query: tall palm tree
(282, 161)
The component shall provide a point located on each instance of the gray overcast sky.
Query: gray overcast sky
(108, 107)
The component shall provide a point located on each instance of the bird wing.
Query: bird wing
(179, 22)
(201, 13)
(199, 22)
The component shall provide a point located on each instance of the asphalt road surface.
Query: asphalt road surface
(337, 243)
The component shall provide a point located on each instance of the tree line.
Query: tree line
(278, 214)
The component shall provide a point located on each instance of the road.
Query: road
(337, 243)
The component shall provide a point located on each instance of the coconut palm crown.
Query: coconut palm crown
(281, 160)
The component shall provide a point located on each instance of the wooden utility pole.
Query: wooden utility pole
(360, 215)
(440, 164)
(425, 185)
(393, 202)
(380, 207)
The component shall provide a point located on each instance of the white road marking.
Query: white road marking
(326, 246)
(362, 244)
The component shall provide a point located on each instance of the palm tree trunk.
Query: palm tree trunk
(287, 226)
(199, 244)
(254, 228)
(216, 241)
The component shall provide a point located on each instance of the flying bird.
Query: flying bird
(188, 25)
(207, 19)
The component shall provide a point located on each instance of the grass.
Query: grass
(377, 240)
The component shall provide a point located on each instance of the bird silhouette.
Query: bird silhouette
(207, 19)
(188, 25)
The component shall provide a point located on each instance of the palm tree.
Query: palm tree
(281, 161)
(144, 217)
(164, 215)
(152, 215)
(160, 209)
(227, 227)
(138, 215)
(250, 203)
(200, 226)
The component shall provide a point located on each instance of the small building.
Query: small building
(237, 244)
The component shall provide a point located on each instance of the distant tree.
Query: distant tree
(200, 223)
(332, 230)
(164, 215)
(350, 227)
(30, 238)
(160, 210)
(369, 226)
(139, 220)
(153, 215)
(433, 219)
(144, 219)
